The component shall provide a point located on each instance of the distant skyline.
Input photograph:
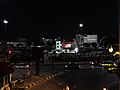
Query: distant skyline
(33, 19)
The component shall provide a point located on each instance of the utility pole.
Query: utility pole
(38, 56)
(119, 23)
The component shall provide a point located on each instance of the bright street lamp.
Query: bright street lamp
(81, 25)
(5, 21)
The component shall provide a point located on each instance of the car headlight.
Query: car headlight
(66, 66)
(115, 64)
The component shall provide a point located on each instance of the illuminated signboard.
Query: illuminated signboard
(66, 46)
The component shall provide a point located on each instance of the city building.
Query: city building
(90, 39)
(80, 39)
(70, 47)
(58, 45)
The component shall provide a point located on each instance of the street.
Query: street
(86, 78)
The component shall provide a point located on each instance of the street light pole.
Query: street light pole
(5, 41)
(81, 25)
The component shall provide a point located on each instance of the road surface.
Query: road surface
(86, 78)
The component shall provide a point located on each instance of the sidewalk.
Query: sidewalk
(34, 80)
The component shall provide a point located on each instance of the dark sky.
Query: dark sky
(36, 18)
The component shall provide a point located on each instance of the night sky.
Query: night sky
(35, 19)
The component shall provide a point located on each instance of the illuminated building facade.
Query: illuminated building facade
(80, 39)
(90, 39)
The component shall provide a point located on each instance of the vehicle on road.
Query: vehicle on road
(22, 65)
(108, 64)
(95, 63)
(72, 66)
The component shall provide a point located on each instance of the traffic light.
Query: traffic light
(10, 52)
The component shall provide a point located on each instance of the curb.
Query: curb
(39, 81)
(49, 77)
